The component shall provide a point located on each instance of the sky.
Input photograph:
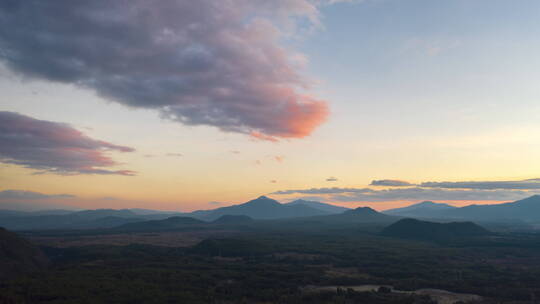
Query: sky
(185, 105)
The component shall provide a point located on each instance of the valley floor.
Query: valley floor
(276, 267)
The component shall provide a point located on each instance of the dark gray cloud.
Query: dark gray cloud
(30, 195)
(331, 179)
(54, 147)
(415, 193)
(332, 190)
(204, 62)
(528, 184)
(391, 183)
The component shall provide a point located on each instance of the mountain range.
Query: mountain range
(425, 209)
(264, 208)
(526, 210)
(257, 209)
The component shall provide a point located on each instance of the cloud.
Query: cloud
(333, 190)
(331, 179)
(391, 183)
(528, 184)
(215, 203)
(175, 154)
(30, 195)
(416, 193)
(279, 158)
(53, 147)
(273, 181)
(204, 62)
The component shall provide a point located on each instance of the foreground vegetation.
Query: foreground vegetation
(277, 267)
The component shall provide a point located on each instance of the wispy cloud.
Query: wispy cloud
(30, 195)
(402, 190)
(390, 183)
(331, 179)
(415, 193)
(333, 190)
(279, 158)
(204, 62)
(528, 184)
(175, 154)
(53, 147)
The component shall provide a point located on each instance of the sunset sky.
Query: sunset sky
(185, 105)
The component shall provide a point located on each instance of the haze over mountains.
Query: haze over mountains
(264, 208)
(527, 210)
(423, 209)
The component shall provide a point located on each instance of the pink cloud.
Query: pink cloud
(204, 62)
(53, 147)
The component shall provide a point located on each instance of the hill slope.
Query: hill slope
(17, 255)
(171, 223)
(423, 230)
(233, 219)
(319, 206)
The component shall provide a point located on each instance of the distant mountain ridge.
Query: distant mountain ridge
(358, 215)
(527, 210)
(260, 208)
(424, 209)
(264, 208)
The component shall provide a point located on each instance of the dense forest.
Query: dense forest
(284, 267)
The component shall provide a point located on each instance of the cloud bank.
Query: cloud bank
(204, 62)
(414, 193)
(391, 183)
(516, 185)
(30, 195)
(474, 191)
(54, 147)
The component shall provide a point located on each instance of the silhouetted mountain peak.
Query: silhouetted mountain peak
(423, 209)
(262, 201)
(362, 210)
